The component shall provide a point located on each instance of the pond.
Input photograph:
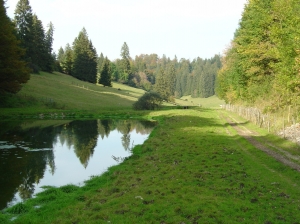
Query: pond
(59, 152)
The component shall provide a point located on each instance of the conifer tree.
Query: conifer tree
(23, 21)
(160, 83)
(60, 55)
(13, 69)
(170, 81)
(125, 63)
(39, 52)
(34, 40)
(105, 75)
(84, 58)
(67, 60)
(100, 61)
(48, 45)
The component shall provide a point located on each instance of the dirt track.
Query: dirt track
(267, 147)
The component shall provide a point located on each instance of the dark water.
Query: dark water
(38, 153)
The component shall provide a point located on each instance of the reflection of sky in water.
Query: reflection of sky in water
(70, 170)
(70, 167)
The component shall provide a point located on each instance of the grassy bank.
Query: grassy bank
(194, 168)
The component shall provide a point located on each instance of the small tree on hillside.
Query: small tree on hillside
(105, 74)
(124, 64)
(149, 101)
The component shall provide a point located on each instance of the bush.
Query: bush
(149, 101)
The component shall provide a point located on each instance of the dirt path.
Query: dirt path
(283, 157)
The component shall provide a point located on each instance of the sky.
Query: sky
(185, 28)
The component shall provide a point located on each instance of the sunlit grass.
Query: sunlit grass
(190, 170)
(210, 102)
(194, 168)
(47, 93)
(70, 93)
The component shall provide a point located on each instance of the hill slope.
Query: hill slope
(67, 92)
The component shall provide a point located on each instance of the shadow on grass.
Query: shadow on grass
(190, 170)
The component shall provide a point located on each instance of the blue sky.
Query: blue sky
(185, 28)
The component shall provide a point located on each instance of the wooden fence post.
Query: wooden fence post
(283, 129)
(268, 124)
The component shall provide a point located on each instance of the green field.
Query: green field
(194, 168)
(201, 165)
(69, 93)
(210, 102)
(47, 93)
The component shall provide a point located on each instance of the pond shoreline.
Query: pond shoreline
(35, 153)
(193, 168)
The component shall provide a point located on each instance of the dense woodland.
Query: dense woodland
(262, 65)
(171, 78)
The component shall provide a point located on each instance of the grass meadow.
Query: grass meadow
(58, 95)
(194, 167)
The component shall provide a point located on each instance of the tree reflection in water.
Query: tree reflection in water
(26, 149)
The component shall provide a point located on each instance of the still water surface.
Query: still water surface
(40, 153)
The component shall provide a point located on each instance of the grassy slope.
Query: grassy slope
(60, 93)
(193, 169)
(53, 94)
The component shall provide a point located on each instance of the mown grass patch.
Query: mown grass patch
(194, 168)
(209, 102)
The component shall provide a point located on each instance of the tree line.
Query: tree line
(31, 45)
(170, 78)
(25, 47)
(36, 41)
(262, 64)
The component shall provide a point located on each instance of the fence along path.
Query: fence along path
(272, 122)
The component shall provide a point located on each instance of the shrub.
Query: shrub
(149, 101)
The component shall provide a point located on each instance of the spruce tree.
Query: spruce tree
(105, 75)
(170, 81)
(48, 45)
(160, 84)
(85, 58)
(23, 21)
(67, 60)
(100, 61)
(39, 52)
(60, 55)
(125, 63)
(13, 69)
